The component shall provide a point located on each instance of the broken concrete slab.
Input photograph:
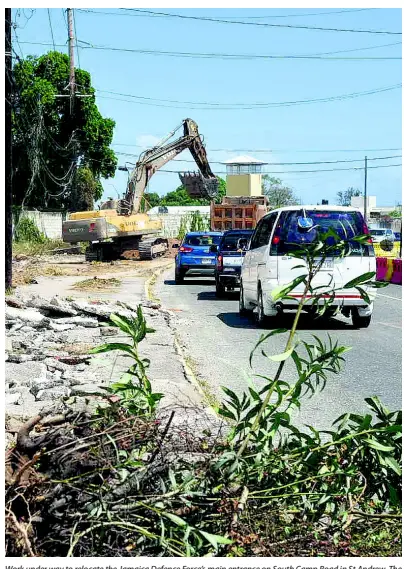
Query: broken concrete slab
(24, 373)
(53, 394)
(51, 307)
(77, 320)
(12, 398)
(85, 335)
(32, 317)
(86, 389)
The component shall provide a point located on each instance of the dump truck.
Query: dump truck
(119, 226)
(241, 212)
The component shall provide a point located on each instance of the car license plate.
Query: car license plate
(327, 265)
(228, 270)
(206, 261)
(232, 261)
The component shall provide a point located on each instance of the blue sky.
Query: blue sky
(338, 130)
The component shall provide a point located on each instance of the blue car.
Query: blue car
(195, 255)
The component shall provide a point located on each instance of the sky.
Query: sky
(336, 130)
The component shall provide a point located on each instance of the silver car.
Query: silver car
(379, 235)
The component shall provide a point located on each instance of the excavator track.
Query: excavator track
(152, 248)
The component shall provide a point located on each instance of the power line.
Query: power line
(51, 29)
(267, 150)
(300, 171)
(284, 163)
(238, 56)
(261, 24)
(239, 106)
(235, 17)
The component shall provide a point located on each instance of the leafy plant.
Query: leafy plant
(134, 388)
(26, 231)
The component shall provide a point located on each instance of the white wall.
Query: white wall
(48, 222)
(172, 219)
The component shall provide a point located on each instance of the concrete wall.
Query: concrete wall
(48, 222)
(172, 219)
(244, 185)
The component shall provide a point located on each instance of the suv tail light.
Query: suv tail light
(92, 226)
(366, 232)
(184, 249)
(220, 262)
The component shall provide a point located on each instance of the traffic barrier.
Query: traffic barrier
(389, 270)
(381, 268)
(381, 252)
(396, 277)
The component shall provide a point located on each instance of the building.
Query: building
(244, 176)
(378, 216)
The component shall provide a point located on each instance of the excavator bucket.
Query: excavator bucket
(199, 187)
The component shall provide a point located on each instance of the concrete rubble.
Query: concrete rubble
(47, 361)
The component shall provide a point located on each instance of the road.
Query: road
(219, 343)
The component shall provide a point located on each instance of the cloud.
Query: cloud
(147, 140)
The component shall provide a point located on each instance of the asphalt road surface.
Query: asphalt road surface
(219, 343)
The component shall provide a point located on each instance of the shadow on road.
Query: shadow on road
(191, 282)
(211, 295)
(306, 322)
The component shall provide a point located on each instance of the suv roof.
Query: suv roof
(246, 231)
(204, 233)
(315, 208)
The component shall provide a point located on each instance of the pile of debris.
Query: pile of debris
(47, 345)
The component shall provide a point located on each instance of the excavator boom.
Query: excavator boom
(202, 184)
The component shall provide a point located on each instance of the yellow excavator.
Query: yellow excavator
(119, 226)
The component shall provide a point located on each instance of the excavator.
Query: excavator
(119, 226)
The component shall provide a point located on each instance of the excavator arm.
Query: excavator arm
(203, 184)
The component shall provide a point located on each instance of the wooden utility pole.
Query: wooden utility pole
(8, 158)
(72, 79)
(365, 198)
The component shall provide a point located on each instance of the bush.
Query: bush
(26, 231)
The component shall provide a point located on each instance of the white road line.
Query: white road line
(389, 325)
(387, 296)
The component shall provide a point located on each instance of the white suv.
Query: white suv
(268, 265)
(379, 235)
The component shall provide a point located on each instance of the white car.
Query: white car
(268, 265)
(379, 235)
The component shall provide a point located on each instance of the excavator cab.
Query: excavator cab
(199, 187)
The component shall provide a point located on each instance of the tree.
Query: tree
(396, 214)
(278, 195)
(150, 200)
(180, 197)
(57, 153)
(344, 198)
(85, 189)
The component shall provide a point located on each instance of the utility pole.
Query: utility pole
(72, 79)
(365, 198)
(8, 157)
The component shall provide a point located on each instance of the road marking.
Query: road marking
(387, 296)
(389, 325)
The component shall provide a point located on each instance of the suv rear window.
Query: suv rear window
(202, 240)
(231, 241)
(346, 224)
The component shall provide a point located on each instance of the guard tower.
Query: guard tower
(244, 176)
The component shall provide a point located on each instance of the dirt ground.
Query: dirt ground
(27, 269)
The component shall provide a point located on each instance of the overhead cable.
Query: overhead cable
(236, 56)
(261, 24)
(137, 99)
